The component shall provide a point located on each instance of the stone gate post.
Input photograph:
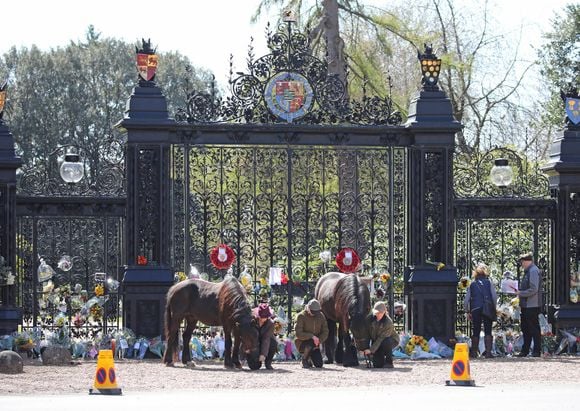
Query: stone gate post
(563, 170)
(148, 274)
(10, 315)
(431, 291)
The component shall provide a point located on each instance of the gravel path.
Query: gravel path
(152, 375)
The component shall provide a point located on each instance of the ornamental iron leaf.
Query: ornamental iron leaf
(287, 85)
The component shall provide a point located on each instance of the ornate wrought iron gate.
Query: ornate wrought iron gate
(495, 225)
(282, 206)
(79, 236)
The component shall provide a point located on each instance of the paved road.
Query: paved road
(408, 398)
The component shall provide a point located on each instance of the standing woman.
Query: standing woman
(480, 288)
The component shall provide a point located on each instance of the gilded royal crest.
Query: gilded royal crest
(288, 96)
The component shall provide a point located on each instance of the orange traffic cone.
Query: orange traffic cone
(460, 372)
(105, 377)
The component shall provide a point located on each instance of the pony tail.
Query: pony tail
(167, 320)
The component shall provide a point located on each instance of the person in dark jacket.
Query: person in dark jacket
(381, 337)
(268, 344)
(480, 289)
(311, 331)
(531, 306)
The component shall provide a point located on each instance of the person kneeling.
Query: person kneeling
(268, 344)
(382, 335)
(311, 331)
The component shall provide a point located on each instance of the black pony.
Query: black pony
(344, 300)
(224, 304)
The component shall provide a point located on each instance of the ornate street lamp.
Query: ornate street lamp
(430, 68)
(501, 174)
(72, 169)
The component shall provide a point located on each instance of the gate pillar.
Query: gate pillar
(430, 186)
(10, 315)
(563, 170)
(147, 125)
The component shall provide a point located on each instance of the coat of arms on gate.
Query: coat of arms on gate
(573, 109)
(289, 84)
(146, 61)
(288, 96)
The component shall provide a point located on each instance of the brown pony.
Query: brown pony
(347, 301)
(216, 304)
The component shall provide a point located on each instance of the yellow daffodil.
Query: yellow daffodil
(99, 290)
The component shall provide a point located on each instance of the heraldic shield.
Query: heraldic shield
(147, 65)
(573, 109)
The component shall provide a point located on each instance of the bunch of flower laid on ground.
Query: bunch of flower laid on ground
(416, 340)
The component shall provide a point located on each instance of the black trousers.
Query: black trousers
(315, 355)
(531, 330)
(272, 350)
(384, 354)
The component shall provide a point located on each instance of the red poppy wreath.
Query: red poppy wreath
(347, 260)
(222, 256)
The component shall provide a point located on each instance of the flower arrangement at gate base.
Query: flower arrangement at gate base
(222, 256)
(416, 340)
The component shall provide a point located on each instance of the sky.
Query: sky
(206, 31)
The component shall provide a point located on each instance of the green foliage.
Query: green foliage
(76, 94)
(560, 59)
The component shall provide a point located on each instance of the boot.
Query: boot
(488, 341)
(474, 351)
(306, 357)
(269, 364)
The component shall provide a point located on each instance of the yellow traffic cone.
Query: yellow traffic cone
(460, 371)
(105, 377)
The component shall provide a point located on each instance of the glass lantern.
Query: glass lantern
(501, 174)
(72, 170)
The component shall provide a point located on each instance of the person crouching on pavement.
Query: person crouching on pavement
(268, 344)
(311, 331)
(381, 338)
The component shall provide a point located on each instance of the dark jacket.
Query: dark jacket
(377, 331)
(479, 287)
(265, 334)
(309, 325)
(530, 287)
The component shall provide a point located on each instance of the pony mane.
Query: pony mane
(351, 299)
(233, 295)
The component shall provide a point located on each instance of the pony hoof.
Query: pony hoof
(169, 364)
(229, 366)
(238, 366)
(328, 361)
(190, 364)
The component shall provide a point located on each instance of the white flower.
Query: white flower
(325, 256)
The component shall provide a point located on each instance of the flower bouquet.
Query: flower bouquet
(23, 341)
(414, 341)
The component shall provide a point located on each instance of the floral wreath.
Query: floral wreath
(222, 256)
(416, 340)
(347, 260)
